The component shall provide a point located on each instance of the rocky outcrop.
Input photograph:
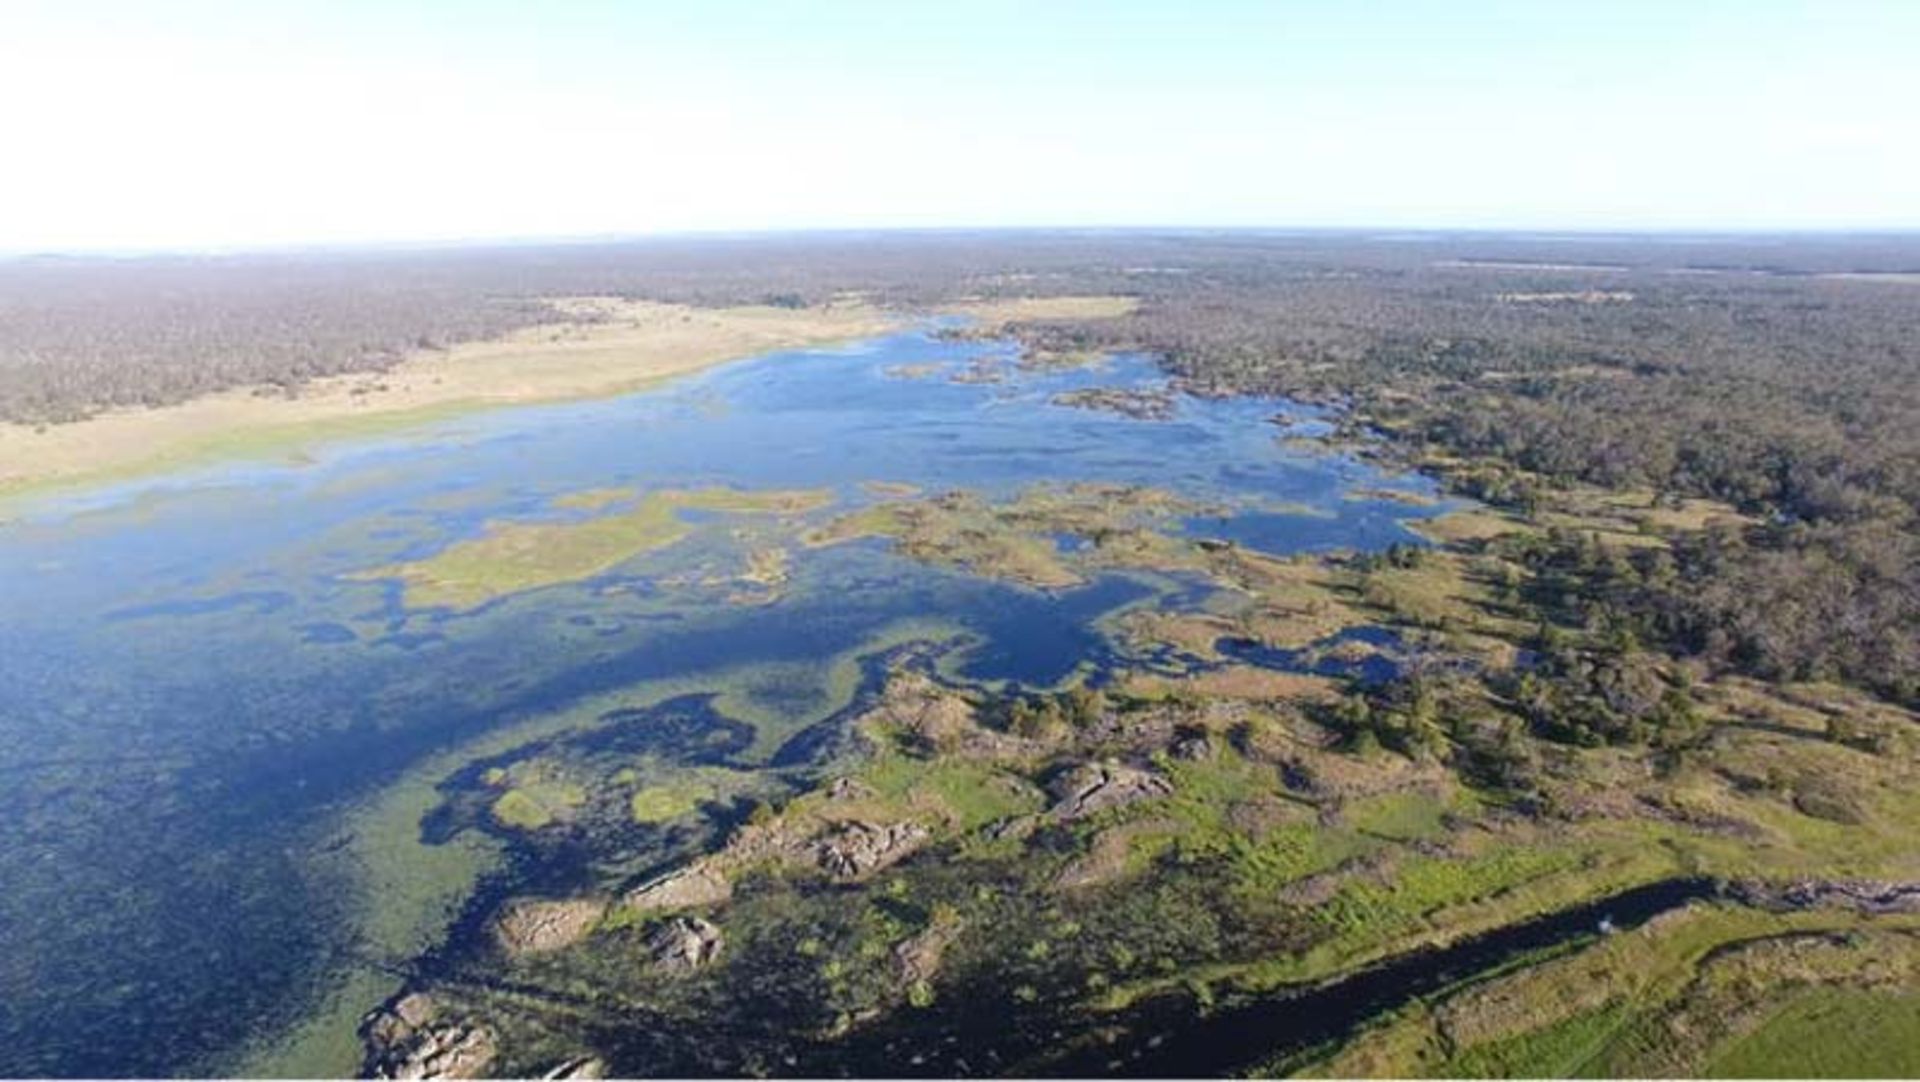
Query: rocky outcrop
(538, 925)
(408, 1039)
(684, 944)
(1109, 856)
(847, 850)
(1193, 749)
(856, 848)
(1095, 787)
(918, 957)
(1863, 895)
(845, 788)
(691, 887)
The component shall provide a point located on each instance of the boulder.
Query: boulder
(857, 848)
(538, 925)
(408, 1039)
(845, 788)
(684, 944)
(690, 887)
(1095, 787)
(918, 956)
(1193, 748)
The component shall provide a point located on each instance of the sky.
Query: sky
(132, 125)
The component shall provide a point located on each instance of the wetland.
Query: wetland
(956, 701)
(284, 728)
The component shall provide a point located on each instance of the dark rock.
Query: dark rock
(684, 944)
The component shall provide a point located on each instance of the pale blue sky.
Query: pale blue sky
(197, 124)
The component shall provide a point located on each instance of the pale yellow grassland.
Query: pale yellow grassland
(607, 346)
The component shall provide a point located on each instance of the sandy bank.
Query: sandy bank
(610, 347)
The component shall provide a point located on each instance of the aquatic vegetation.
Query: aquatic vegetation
(512, 557)
(668, 792)
(1392, 495)
(536, 806)
(890, 490)
(1141, 404)
(594, 499)
(912, 371)
(1062, 757)
(1026, 539)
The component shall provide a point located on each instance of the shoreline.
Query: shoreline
(613, 347)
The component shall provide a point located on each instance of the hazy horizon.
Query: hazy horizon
(220, 126)
(1381, 234)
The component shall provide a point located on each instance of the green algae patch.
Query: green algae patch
(680, 793)
(1048, 537)
(513, 557)
(531, 807)
(595, 499)
(661, 803)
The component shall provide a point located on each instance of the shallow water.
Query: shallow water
(196, 694)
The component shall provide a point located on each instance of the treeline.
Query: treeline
(78, 335)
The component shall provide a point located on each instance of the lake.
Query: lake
(223, 725)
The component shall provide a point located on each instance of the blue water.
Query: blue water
(196, 678)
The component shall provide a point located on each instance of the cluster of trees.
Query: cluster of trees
(1048, 715)
(1439, 715)
(1786, 600)
(1758, 379)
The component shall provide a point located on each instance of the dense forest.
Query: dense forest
(1776, 374)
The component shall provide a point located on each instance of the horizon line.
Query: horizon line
(1383, 233)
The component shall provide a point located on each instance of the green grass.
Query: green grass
(1714, 990)
(1419, 886)
(254, 443)
(971, 793)
(1829, 1033)
(1407, 816)
(1560, 1050)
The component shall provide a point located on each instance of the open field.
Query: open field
(1711, 989)
(610, 347)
